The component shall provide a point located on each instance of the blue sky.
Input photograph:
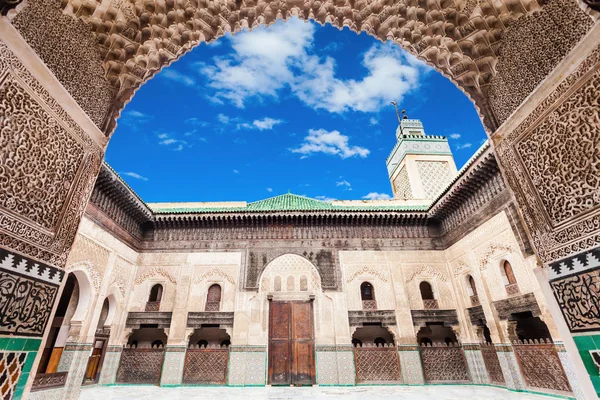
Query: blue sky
(294, 107)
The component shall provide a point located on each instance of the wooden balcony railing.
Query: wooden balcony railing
(153, 306)
(512, 289)
(369, 304)
(430, 304)
(475, 300)
(47, 381)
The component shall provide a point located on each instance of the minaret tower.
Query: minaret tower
(420, 166)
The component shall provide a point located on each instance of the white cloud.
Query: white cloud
(135, 114)
(260, 124)
(373, 121)
(344, 183)
(135, 175)
(235, 171)
(455, 136)
(334, 143)
(266, 61)
(325, 198)
(176, 76)
(270, 190)
(464, 146)
(266, 123)
(196, 122)
(168, 140)
(377, 196)
(224, 119)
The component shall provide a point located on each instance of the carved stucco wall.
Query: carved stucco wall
(207, 275)
(41, 198)
(119, 44)
(378, 274)
(550, 161)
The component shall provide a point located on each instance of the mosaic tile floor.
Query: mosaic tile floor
(445, 392)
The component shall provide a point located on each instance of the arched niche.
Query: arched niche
(286, 272)
(86, 293)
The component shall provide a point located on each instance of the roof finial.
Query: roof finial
(397, 113)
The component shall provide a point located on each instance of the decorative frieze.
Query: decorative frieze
(517, 304)
(447, 317)
(385, 317)
(28, 290)
(135, 320)
(197, 319)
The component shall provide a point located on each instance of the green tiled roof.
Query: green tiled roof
(288, 202)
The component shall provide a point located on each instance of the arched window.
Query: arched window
(213, 298)
(508, 275)
(277, 284)
(202, 343)
(472, 289)
(367, 295)
(379, 342)
(366, 291)
(156, 293)
(426, 291)
(509, 279)
(429, 301)
(157, 344)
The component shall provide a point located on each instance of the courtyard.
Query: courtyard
(441, 392)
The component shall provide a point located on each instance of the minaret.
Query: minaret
(421, 165)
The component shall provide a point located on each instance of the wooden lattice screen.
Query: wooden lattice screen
(444, 363)
(541, 366)
(206, 366)
(141, 365)
(375, 364)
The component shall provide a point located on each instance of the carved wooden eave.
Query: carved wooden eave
(111, 183)
(476, 185)
(478, 172)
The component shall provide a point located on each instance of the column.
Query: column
(55, 151)
(172, 372)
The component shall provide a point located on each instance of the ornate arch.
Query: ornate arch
(288, 265)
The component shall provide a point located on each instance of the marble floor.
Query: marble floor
(442, 392)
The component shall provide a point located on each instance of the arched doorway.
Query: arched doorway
(101, 336)
(291, 329)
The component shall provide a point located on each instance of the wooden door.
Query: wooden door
(291, 344)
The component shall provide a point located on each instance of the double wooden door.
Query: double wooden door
(291, 343)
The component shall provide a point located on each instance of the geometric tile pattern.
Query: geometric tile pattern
(435, 175)
(444, 364)
(412, 372)
(492, 364)
(570, 372)
(476, 365)
(16, 359)
(108, 375)
(208, 366)
(377, 364)
(247, 368)
(541, 366)
(11, 366)
(510, 368)
(574, 264)
(335, 368)
(172, 368)
(584, 344)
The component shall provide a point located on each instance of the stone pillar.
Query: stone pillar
(547, 150)
(475, 363)
(53, 148)
(74, 359)
(172, 372)
(247, 366)
(568, 351)
(335, 365)
(410, 364)
(112, 358)
(510, 367)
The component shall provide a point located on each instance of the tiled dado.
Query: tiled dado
(247, 366)
(584, 344)
(335, 365)
(16, 359)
